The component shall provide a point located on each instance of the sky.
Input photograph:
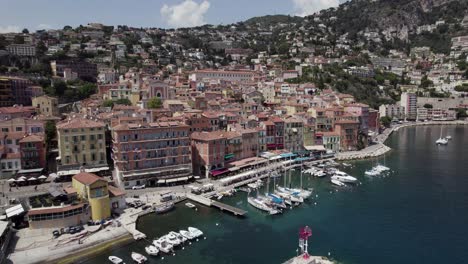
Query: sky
(55, 14)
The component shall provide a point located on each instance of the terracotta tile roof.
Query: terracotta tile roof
(87, 178)
(208, 136)
(32, 138)
(79, 123)
(52, 210)
(15, 135)
(69, 190)
(114, 191)
(16, 109)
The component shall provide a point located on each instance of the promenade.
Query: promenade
(379, 148)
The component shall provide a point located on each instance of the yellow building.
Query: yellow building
(47, 105)
(95, 191)
(82, 145)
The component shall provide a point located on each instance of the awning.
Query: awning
(30, 171)
(315, 147)
(275, 157)
(177, 179)
(302, 159)
(287, 155)
(229, 156)
(218, 172)
(14, 211)
(161, 181)
(234, 169)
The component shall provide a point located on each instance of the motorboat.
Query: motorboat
(442, 141)
(138, 258)
(288, 198)
(337, 183)
(448, 137)
(152, 250)
(381, 168)
(181, 238)
(190, 205)
(195, 232)
(115, 260)
(320, 173)
(372, 172)
(172, 239)
(259, 204)
(347, 179)
(163, 245)
(186, 234)
(164, 208)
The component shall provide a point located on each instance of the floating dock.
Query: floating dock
(222, 206)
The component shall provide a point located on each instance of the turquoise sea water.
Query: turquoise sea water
(417, 214)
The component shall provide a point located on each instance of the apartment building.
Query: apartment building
(151, 153)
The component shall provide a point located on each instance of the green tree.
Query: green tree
(155, 102)
(86, 90)
(108, 103)
(25, 31)
(386, 121)
(123, 101)
(425, 82)
(428, 106)
(50, 131)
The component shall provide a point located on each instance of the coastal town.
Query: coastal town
(102, 125)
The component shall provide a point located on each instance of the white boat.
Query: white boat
(172, 239)
(448, 137)
(347, 179)
(298, 193)
(138, 258)
(152, 250)
(181, 238)
(259, 204)
(186, 234)
(162, 245)
(115, 260)
(372, 172)
(320, 173)
(441, 140)
(195, 232)
(275, 200)
(289, 198)
(381, 168)
(336, 182)
(190, 205)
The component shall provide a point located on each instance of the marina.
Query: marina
(361, 206)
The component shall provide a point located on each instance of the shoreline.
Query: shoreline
(94, 250)
(380, 148)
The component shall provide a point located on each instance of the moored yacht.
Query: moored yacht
(115, 260)
(195, 232)
(337, 183)
(186, 234)
(152, 250)
(163, 245)
(138, 258)
(347, 178)
(259, 204)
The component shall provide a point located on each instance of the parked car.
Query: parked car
(138, 187)
(145, 207)
(56, 233)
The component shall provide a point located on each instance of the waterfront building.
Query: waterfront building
(331, 141)
(6, 92)
(151, 153)
(81, 144)
(208, 152)
(94, 190)
(392, 111)
(46, 105)
(348, 131)
(15, 90)
(409, 102)
(293, 135)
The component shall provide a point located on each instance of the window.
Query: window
(92, 137)
(83, 137)
(4, 129)
(100, 136)
(66, 139)
(19, 129)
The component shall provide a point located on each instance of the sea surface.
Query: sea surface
(416, 214)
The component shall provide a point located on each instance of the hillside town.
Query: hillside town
(92, 115)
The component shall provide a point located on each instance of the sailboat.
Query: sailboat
(441, 140)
